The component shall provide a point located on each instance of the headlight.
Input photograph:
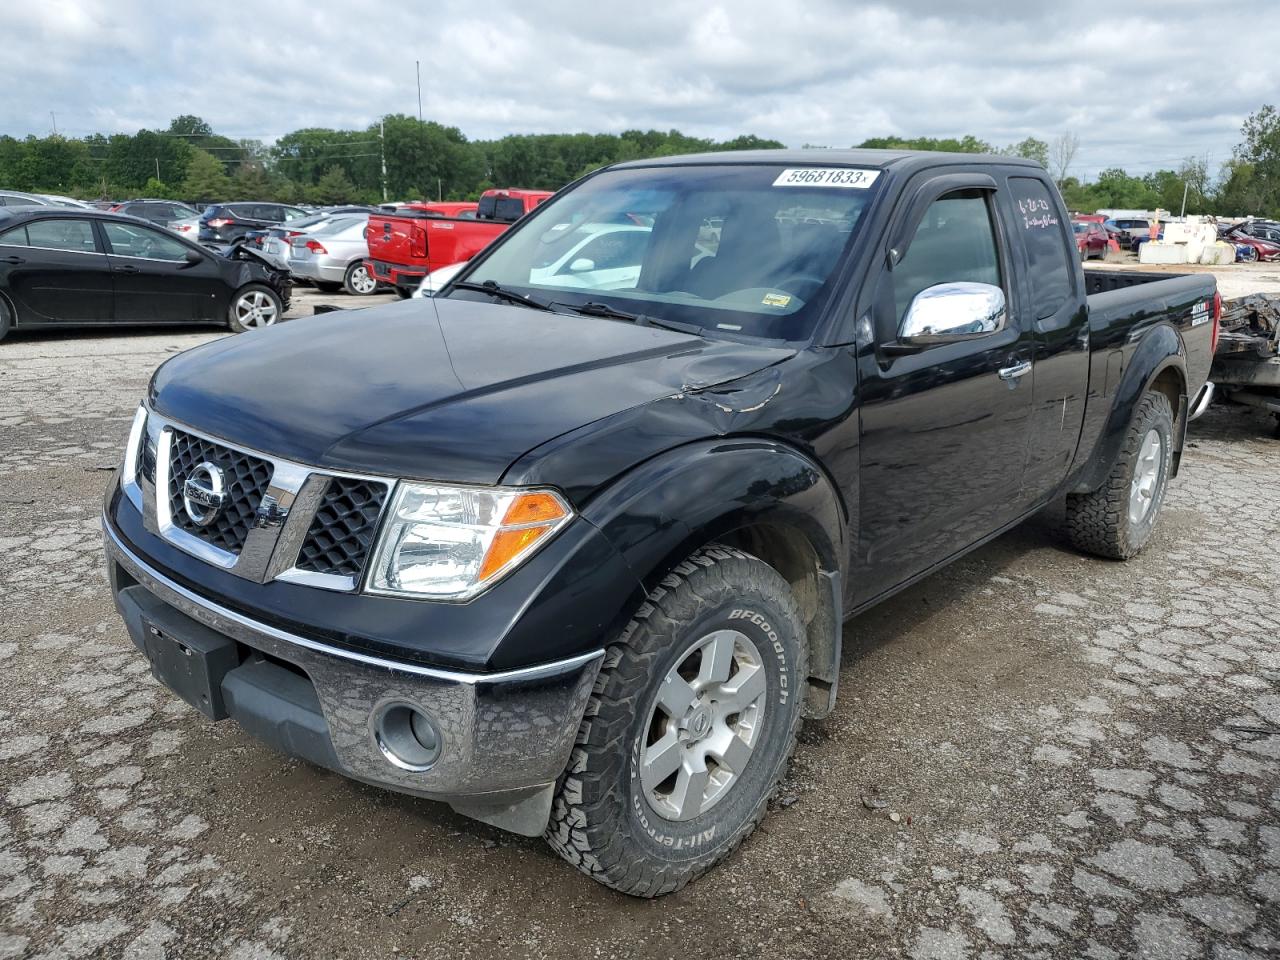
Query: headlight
(450, 543)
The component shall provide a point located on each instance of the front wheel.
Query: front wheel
(1116, 520)
(689, 728)
(6, 319)
(359, 282)
(253, 307)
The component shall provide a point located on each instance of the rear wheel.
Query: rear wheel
(689, 728)
(359, 282)
(253, 307)
(1116, 520)
(404, 293)
(6, 319)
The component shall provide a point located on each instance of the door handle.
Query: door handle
(1019, 369)
(127, 268)
(13, 260)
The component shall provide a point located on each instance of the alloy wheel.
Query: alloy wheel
(256, 309)
(703, 725)
(361, 282)
(1146, 477)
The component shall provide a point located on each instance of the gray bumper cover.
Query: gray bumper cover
(505, 736)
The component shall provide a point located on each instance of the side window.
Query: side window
(17, 237)
(954, 242)
(128, 240)
(60, 234)
(1050, 270)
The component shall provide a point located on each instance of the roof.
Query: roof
(63, 213)
(876, 159)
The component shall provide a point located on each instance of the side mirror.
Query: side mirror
(949, 312)
(192, 258)
(582, 265)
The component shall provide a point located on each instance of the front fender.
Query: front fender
(665, 509)
(1159, 350)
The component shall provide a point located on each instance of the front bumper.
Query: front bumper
(505, 737)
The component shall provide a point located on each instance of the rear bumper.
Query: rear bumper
(396, 274)
(504, 737)
(313, 269)
(1201, 402)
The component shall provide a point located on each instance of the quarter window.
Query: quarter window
(954, 242)
(61, 234)
(17, 237)
(1038, 223)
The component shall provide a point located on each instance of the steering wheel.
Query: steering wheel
(145, 245)
(803, 285)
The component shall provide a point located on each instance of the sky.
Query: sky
(1142, 84)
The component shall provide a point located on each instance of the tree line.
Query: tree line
(427, 160)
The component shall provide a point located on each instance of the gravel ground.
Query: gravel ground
(1035, 754)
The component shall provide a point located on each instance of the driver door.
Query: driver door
(944, 424)
(155, 282)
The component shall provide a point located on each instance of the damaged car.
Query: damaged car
(81, 268)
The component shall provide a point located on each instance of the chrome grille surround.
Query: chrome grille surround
(283, 509)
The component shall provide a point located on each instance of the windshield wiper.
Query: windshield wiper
(594, 309)
(502, 293)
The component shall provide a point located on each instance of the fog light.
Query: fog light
(406, 736)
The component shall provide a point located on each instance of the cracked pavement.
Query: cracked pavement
(1035, 754)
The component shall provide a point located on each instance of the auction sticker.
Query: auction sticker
(847, 177)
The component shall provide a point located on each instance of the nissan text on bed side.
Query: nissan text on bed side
(569, 546)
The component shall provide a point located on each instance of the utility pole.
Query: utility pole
(1186, 185)
(417, 66)
(157, 168)
(54, 117)
(382, 136)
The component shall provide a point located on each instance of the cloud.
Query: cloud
(1141, 86)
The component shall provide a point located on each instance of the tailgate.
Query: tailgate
(392, 240)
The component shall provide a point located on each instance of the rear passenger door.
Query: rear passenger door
(1054, 304)
(57, 272)
(943, 427)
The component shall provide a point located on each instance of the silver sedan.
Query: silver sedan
(333, 256)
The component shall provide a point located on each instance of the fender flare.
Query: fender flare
(662, 511)
(1160, 350)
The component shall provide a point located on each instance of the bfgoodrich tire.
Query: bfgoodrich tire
(689, 728)
(1116, 520)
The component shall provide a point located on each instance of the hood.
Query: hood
(450, 390)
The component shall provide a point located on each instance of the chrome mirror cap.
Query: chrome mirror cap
(947, 312)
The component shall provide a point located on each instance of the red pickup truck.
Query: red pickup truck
(407, 245)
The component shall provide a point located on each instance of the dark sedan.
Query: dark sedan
(63, 268)
(161, 212)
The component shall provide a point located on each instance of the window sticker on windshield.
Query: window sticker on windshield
(826, 177)
(776, 300)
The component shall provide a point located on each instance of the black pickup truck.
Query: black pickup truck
(570, 546)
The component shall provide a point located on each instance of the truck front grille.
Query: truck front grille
(341, 533)
(245, 479)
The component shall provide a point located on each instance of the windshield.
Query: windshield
(1079, 227)
(742, 249)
